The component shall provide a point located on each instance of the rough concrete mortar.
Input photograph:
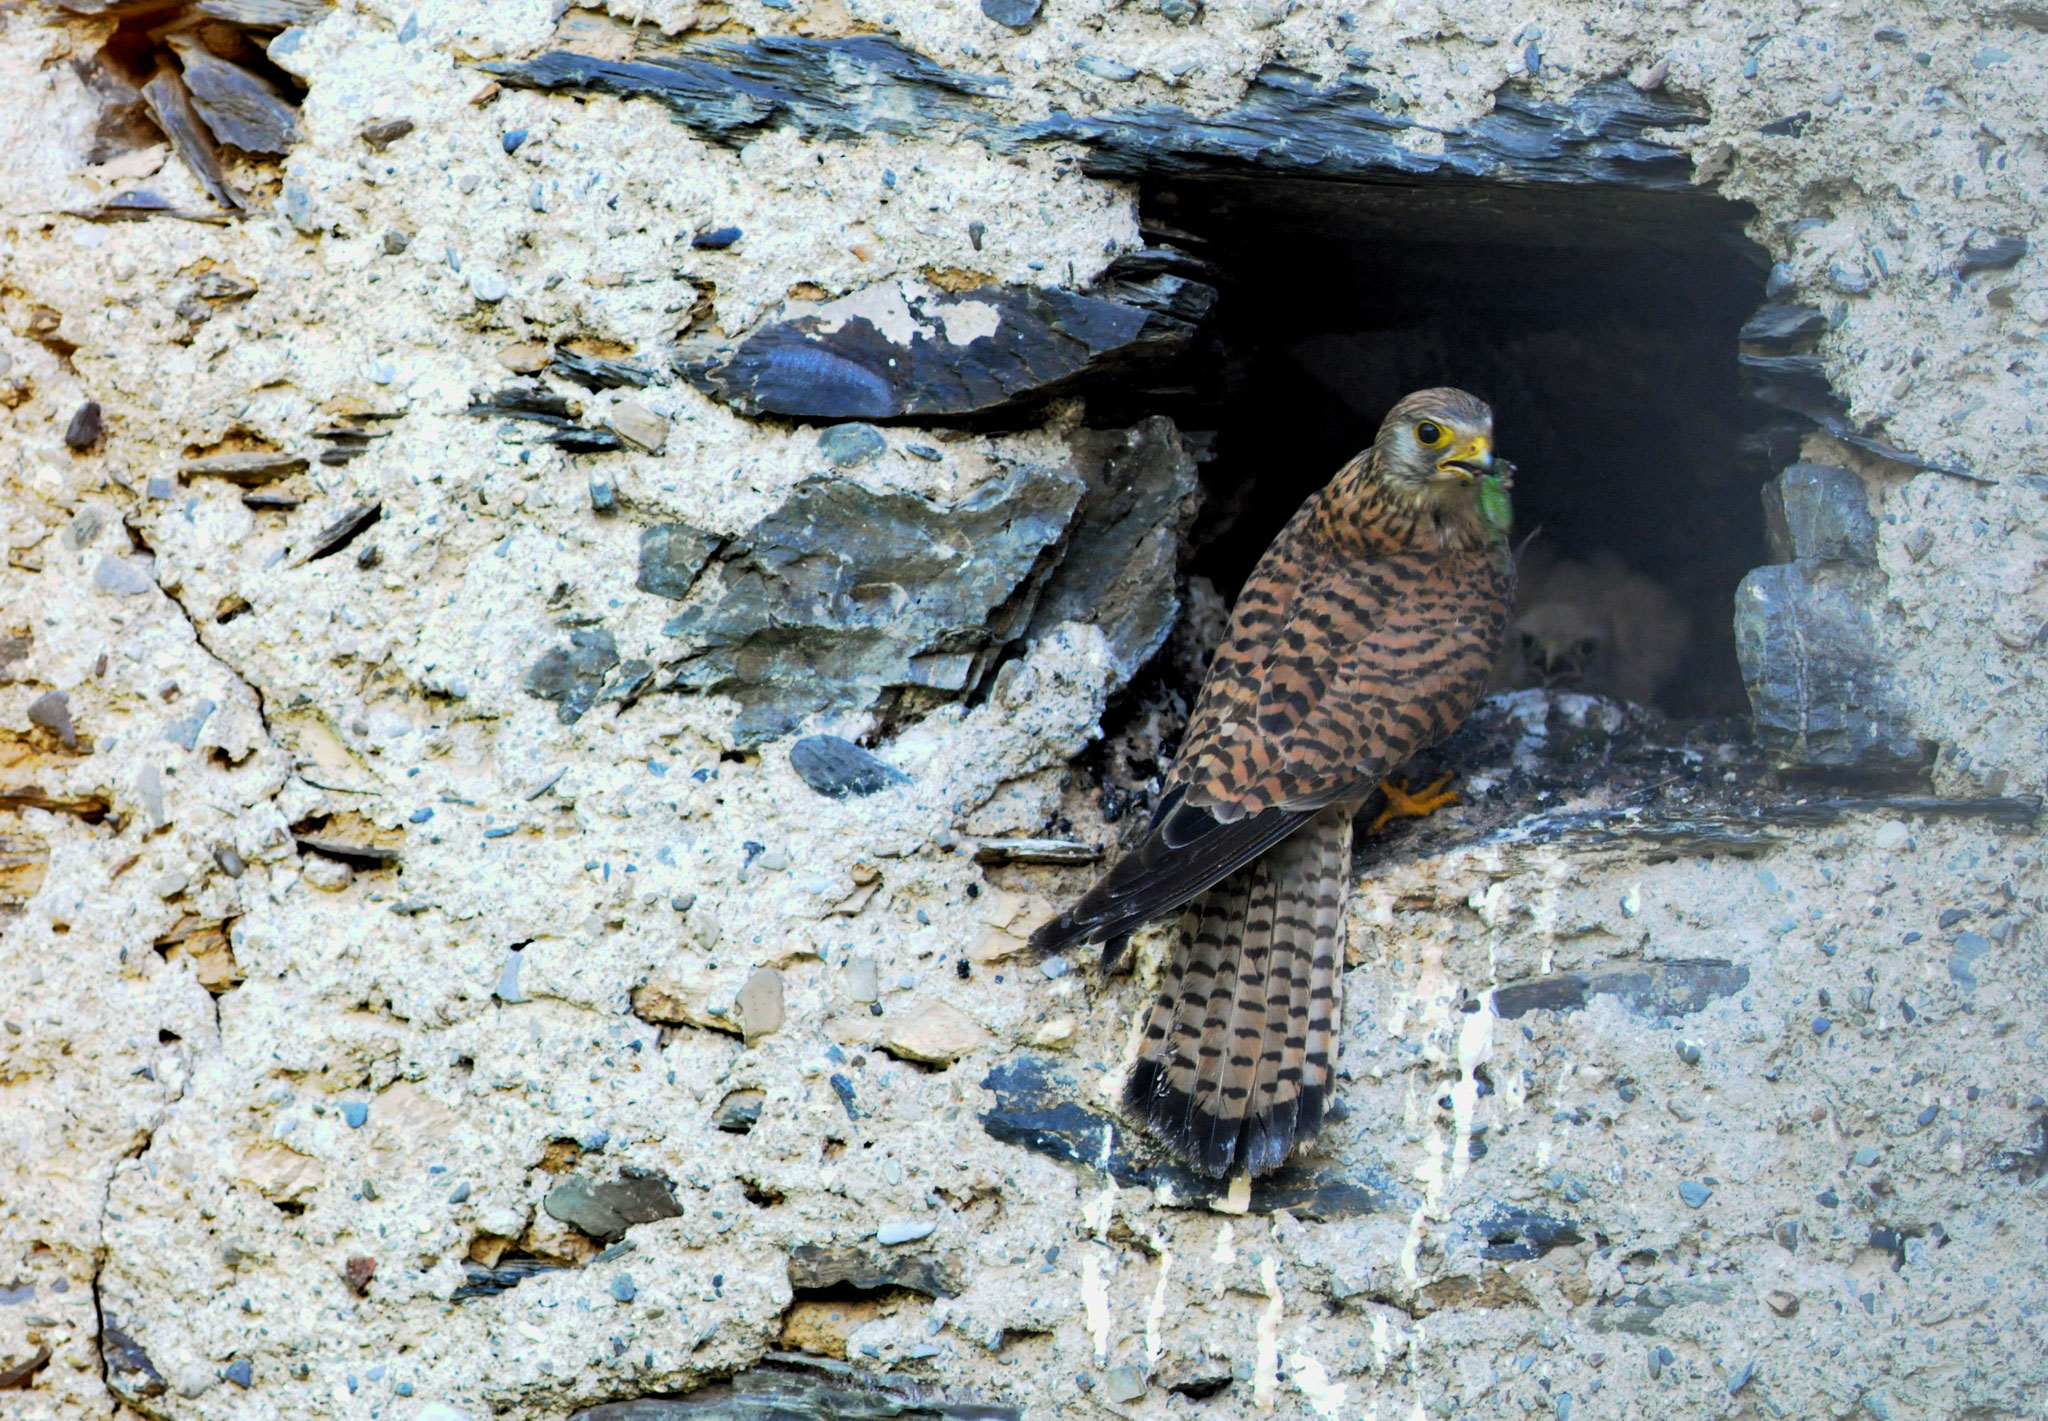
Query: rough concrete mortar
(393, 1073)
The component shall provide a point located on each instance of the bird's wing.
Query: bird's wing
(1185, 851)
(1375, 660)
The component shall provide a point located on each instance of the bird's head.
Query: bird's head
(1436, 445)
(1562, 644)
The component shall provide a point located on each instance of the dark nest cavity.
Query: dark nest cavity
(1602, 325)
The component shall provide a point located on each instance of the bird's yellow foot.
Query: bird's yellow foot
(1404, 803)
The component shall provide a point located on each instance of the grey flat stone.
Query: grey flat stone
(838, 768)
(1819, 512)
(605, 1209)
(842, 594)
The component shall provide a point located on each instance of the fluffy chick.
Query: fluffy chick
(1596, 627)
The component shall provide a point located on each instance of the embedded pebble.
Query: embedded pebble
(623, 1288)
(327, 875)
(1124, 1385)
(1055, 967)
(863, 979)
(240, 1373)
(1694, 1193)
(487, 286)
(895, 1231)
(759, 1004)
(739, 1112)
(848, 445)
(84, 430)
(1866, 1157)
(639, 425)
(838, 768)
(121, 577)
(937, 1033)
(355, 1112)
(717, 239)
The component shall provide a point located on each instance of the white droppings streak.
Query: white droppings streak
(1379, 1345)
(1224, 1254)
(1237, 1199)
(1475, 1048)
(1155, 1345)
(1100, 1214)
(1266, 1377)
(1326, 1396)
(1095, 1298)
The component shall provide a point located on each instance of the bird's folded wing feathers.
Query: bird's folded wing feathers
(1186, 851)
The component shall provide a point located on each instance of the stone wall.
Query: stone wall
(467, 491)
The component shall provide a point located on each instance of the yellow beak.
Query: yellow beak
(1469, 460)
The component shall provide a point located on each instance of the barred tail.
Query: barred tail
(1236, 1060)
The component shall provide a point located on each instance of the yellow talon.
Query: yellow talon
(1404, 803)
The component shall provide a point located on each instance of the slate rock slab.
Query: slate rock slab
(1121, 565)
(837, 768)
(1819, 512)
(1648, 989)
(814, 1266)
(573, 676)
(1290, 124)
(241, 107)
(842, 594)
(729, 93)
(605, 1209)
(1821, 691)
(907, 351)
(783, 1395)
(671, 557)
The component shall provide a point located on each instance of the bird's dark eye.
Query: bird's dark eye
(1587, 646)
(1430, 434)
(1528, 641)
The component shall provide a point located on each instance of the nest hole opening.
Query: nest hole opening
(1601, 324)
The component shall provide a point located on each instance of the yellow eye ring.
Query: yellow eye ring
(1431, 434)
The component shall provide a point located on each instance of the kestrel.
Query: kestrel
(1364, 634)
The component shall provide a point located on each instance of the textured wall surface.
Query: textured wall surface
(429, 980)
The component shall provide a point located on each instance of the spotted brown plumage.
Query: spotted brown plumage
(1365, 633)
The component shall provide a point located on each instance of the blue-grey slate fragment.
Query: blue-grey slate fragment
(1679, 987)
(52, 712)
(895, 1231)
(185, 732)
(1121, 566)
(355, 1112)
(1124, 1385)
(1694, 1193)
(508, 979)
(1962, 958)
(241, 106)
(1990, 251)
(122, 577)
(623, 1288)
(848, 445)
(574, 676)
(1016, 14)
(671, 557)
(605, 1209)
(1821, 512)
(130, 1373)
(838, 768)
(1821, 690)
(240, 1373)
(1031, 343)
(843, 594)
